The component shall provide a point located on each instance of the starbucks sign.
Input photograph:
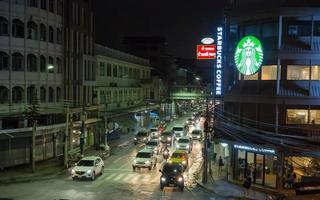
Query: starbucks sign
(248, 55)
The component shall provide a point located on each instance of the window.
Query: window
(50, 66)
(108, 100)
(108, 69)
(126, 71)
(51, 94)
(115, 96)
(4, 94)
(43, 32)
(120, 96)
(32, 30)
(59, 36)
(31, 94)
(17, 94)
(43, 4)
(3, 26)
(51, 34)
(59, 7)
(251, 30)
(299, 28)
(316, 28)
(43, 94)
(297, 116)
(102, 97)
(4, 61)
(315, 116)
(120, 71)
(130, 72)
(115, 71)
(102, 69)
(270, 30)
(297, 72)
(58, 96)
(51, 5)
(17, 62)
(42, 64)
(269, 72)
(251, 77)
(315, 72)
(17, 28)
(59, 65)
(31, 63)
(33, 3)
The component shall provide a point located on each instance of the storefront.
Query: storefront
(260, 163)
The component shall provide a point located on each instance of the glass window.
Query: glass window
(115, 70)
(299, 28)
(51, 5)
(51, 34)
(315, 116)
(102, 70)
(270, 29)
(32, 30)
(269, 72)
(251, 30)
(3, 26)
(17, 28)
(43, 4)
(297, 72)
(297, 116)
(4, 61)
(270, 173)
(251, 77)
(108, 69)
(315, 72)
(17, 62)
(120, 71)
(316, 28)
(258, 170)
(43, 32)
(240, 165)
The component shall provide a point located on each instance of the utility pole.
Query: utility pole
(205, 146)
(34, 129)
(65, 161)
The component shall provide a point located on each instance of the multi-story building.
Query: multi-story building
(271, 118)
(123, 80)
(47, 61)
(31, 65)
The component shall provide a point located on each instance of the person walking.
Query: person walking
(220, 163)
(247, 184)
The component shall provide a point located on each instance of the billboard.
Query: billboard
(218, 71)
(205, 51)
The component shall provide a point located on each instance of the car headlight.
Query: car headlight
(135, 138)
(187, 146)
(177, 146)
(184, 162)
(134, 161)
(170, 161)
(144, 138)
(180, 179)
(89, 171)
(198, 136)
(163, 179)
(73, 171)
(169, 138)
(156, 149)
(147, 162)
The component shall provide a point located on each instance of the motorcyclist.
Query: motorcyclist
(165, 153)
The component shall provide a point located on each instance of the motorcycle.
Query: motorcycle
(165, 154)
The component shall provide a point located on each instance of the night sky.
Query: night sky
(182, 23)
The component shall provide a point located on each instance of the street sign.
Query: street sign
(206, 52)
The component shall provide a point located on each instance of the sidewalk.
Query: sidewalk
(51, 168)
(218, 185)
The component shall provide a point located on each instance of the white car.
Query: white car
(153, 145)
(196, 134)
(88, 167)
(178, 131)
(184, 143)
(144, 159)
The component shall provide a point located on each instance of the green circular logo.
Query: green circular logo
(248, 55)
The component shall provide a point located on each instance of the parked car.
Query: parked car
(178, 131)
(167, 138)
(172, 175)
(141, 137)
(184, 143)
(88, 167)
(144, 159)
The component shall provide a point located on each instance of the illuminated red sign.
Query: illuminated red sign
(206, 51)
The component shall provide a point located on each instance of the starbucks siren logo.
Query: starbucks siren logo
(248, 55)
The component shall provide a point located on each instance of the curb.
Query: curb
(205, 187)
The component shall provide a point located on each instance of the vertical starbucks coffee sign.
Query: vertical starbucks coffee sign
(218, 72)
(248, 55)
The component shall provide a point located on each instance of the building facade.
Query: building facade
(270, 119)
(31, 65)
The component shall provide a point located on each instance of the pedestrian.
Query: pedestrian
(247, 184)
(291, 179)
(221, 164)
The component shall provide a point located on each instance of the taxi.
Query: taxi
(179, 157)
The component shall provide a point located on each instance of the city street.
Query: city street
(117, 182)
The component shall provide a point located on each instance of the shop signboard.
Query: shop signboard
(218, 71)
(248, 55)
(254, 149)
(206, 52)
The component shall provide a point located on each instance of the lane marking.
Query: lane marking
(118, 177)
(110, 177)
